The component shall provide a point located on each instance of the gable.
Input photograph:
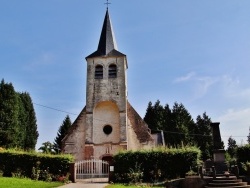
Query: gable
(75, 124)
(139, 125)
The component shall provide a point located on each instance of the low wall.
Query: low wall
(192, 182)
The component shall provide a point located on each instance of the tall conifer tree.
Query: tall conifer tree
(155, 116)
(9, 110)
(179, 127)
(17, 119)
(28, 122)
(232, 147)
(182, 122)
(63, 129)
(248, 137)
(203, 135)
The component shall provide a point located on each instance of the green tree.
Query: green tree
(182, 123)
(202, 135)
(155, 116)
(175, 123)
(170, 130)
(149, 116)
(179, 127)
(22, 119)
(9, 109)
(47, 147)
(17, 119)
(62, 132)
(28, 121)
(248, 137)
(232, 147)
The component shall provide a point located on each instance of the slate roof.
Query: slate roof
(107, 44)
(138, 124)
(75, 124)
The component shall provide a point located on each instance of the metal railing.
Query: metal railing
(89, 169)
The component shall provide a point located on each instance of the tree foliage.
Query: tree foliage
(47, 147)
(155, 116)
(63, 129)
(21, 164)
(179, 127)
(182, 122)
(232, 147)
(9, 110)
(203, 135)
(155, 165)
(18, 126)
(248, 137)
(29, 121)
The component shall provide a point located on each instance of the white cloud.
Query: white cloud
(233, 115)
(185, 78)
(203, 84)
(40, 61)
(235, 123)
(229, 81)
(199, 84)
(235, 90)
(227, 86)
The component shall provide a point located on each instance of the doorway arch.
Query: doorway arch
(108, 158)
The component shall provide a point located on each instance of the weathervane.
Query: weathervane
(107, 3)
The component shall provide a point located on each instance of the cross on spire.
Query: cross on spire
(107, 3)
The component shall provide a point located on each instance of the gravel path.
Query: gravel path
(84, 185)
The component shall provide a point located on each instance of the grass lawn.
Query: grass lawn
(26, 183)
(131, 186)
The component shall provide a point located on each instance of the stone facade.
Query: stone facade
(106, 100)
(108, 123)
(74, 142)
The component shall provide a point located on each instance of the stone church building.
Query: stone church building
(108, 123)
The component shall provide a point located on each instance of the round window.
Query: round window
(107, 129)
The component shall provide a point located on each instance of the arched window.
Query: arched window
(98, 72)
(112, 71)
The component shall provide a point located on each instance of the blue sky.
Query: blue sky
(195, 52)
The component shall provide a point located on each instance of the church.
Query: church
(108, 123)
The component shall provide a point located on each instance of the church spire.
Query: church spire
(107, 44)
(107, 40)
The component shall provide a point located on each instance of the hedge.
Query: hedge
(160, 163)
(243, 153)
(23, 162)
(243, 159)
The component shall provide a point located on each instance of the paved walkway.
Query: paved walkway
(84, 185)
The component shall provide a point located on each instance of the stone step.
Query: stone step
(221, 181)
(222, 176)
(226, 180)
(231, 184)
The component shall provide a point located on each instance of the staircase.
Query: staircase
(227, 182)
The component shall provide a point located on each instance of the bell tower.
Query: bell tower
(108, 123)
(106, 99)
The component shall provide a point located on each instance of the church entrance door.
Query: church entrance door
(108, 158)
(93, 170)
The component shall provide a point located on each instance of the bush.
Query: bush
(243, 153)
(157, 164)
(31, 164)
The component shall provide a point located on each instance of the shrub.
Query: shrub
(156, 164)
(33, 165)
(243, 153)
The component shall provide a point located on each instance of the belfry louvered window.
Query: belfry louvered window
(112, 71)
(98, 72)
